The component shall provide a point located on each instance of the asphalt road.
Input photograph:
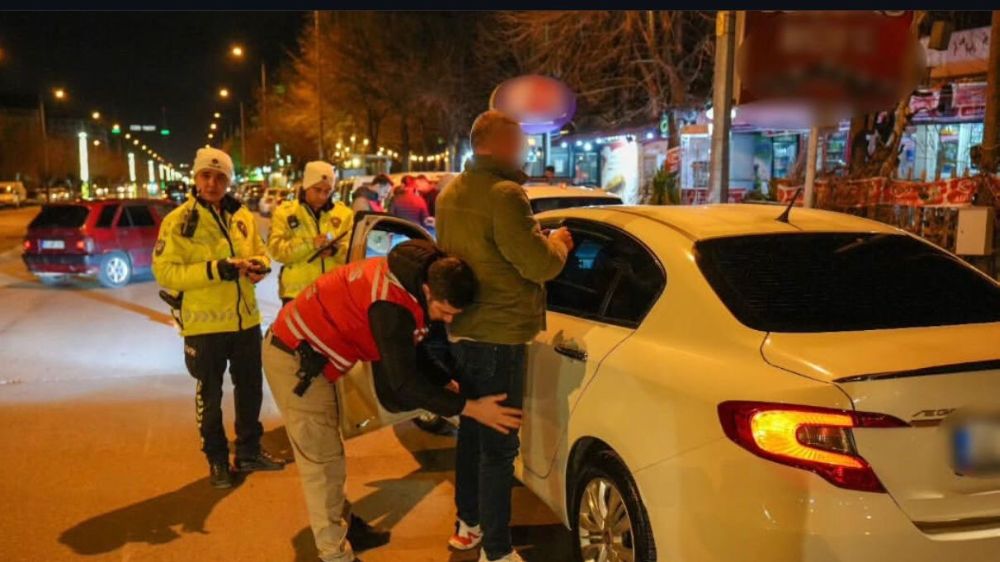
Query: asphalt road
(102, 460)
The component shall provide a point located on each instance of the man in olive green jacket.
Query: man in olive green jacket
(484, 218)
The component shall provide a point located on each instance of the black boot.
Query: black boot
(263, 461)
(363, 536)
(219, 475)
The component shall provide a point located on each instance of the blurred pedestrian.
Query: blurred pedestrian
(370, 197)
(485, 219)
(309, 235)
(407, 204)
(209, 251)
(550, 175)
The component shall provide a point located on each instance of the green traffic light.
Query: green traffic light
(165, 132)
(116, 130)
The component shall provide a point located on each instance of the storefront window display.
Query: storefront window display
(938, 150)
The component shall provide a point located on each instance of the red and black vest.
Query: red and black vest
(332, 314)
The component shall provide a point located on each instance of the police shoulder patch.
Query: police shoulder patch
(335, 221)
(293, 221)
(160, 245)
(243, 228)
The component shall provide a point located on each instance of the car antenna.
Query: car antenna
(788, 210)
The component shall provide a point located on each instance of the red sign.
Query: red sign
(832, 61)
(674, 159)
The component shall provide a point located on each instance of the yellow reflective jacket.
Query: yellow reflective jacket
(293, 229)
(187, 262)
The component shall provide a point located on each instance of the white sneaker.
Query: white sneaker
(512, 557)
(466, 537)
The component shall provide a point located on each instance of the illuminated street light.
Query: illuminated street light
(237, 51)
(59, 93)
(223, 93)
(135, 142)
(211, 136)
(144, 147)
(217, 115)
(213, 126)
(97, 142)
(366, 142)
(128, 135)
(131, 167)
(96, 115)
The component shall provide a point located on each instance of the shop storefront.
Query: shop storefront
(947, 123)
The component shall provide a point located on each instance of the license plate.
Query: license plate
(976, 447)
(53, 244)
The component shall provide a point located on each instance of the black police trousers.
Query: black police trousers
(207, 356)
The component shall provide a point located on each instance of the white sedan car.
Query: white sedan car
(715, 384)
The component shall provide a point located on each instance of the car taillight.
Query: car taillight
(27, 245)
(85, 245)
(815, 439)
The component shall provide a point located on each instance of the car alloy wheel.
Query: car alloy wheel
(605, 528)
(116, 269)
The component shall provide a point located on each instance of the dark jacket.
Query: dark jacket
(483, 217)
(410, 374)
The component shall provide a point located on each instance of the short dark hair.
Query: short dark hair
(550, 169)
(451, 280)
(382, 178)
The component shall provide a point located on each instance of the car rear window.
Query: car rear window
(833, 282)
(61, 216)
(552, 203)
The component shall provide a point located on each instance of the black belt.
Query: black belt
(276, 342)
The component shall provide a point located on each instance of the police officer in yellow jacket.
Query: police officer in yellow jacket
(309, 236)
(210, 252)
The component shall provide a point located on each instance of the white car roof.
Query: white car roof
(699, 222)
(546, 191)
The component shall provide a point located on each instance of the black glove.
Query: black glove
(227, 270)
(258, 267)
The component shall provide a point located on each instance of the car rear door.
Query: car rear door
(373, 236)
(609, 283)
(137, 232)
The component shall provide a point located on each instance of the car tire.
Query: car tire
(115, 271)
(601, 528)
(431, 423)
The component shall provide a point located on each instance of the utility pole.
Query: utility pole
(45, 148)
(810, 188)
(722, 105)
(243, 140)
(991, 128)
(319, 83)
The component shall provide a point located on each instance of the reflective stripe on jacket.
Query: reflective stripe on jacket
(188, 264)
(331, 315)
(293, 228)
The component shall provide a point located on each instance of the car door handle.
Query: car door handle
(571, 352)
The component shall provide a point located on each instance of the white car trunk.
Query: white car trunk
(927, 377)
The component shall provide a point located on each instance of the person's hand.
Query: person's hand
(229, 269)
(562, 236)
(254, 277)
(489, 412)
(452, 386)
(320, 240)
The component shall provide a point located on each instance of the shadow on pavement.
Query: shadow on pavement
(394, 498)
(152, 521)
(149, 521)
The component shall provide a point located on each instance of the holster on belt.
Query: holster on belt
(311, 365)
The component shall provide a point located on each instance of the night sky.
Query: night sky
(130, 66)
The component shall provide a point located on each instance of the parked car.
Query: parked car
(250, 193)
(176, 191)
(821, 389)
(545, 197)
(12, 193)
(271, 199)
(110, 239)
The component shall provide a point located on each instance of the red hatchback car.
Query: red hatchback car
(111, 239)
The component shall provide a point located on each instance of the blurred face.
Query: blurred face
(506, 145)
(439, 310)
(318, 194)
(211, 185)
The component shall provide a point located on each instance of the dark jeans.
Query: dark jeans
(206, 357)
(484, 464)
